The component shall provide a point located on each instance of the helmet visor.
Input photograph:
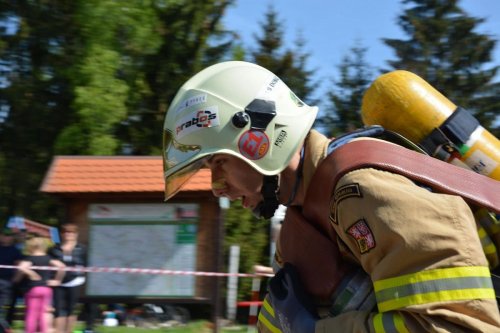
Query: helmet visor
(176, 154)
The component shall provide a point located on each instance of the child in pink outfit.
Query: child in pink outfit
(38, 298)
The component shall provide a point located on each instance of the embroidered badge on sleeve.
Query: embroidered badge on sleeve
(343, 192)
(363, 235)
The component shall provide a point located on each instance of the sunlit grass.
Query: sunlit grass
(193, 327)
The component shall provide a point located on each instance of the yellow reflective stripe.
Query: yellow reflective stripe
(389, 322)
(268, 324)
(441, 296)
(439, 285)
(400, 324)
(486, 243)
(435, 274)
(481, 232)
(265, 312)
(490, 249)
(268, 307)
(488, 220)
(378, 325)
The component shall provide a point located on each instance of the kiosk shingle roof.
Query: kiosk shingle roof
(91, 174)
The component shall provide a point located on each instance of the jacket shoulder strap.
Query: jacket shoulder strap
(475, 188)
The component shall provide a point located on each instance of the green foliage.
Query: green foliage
(252, 235)
(36, 95)
(191, 37)
(88, 77)
(444, 48)
(344, 112)
(116, 37)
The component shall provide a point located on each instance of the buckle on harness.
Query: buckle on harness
(450, 138)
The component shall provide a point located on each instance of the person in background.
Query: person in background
(20, 235)
(38, 296)
(72, 254)
(9, 255)
(90, 313)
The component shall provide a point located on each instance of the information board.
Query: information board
(131, 242)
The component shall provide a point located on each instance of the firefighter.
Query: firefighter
(396, 256)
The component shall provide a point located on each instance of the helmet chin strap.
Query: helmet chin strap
(269, 191)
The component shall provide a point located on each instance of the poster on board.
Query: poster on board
(156, 236)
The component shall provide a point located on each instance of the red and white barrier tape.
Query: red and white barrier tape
(254, 307)
(152, 271)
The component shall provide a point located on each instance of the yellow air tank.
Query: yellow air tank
(404, 103)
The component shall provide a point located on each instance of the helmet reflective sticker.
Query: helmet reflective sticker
(197, 120)
(195, 100)
(268, 90)
(253, 144)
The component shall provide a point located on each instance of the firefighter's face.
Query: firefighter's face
(235, 179)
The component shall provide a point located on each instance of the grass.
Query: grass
(193, 327)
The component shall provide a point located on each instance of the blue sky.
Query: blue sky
(331, 27)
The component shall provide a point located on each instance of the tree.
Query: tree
(192, 37)
(444, 48)
(107, 78)
(89, 77)
(344, 112)
(36, 51)
(290, 65)
(299, 78)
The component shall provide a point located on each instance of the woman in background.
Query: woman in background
(72, 254)
(38, 296)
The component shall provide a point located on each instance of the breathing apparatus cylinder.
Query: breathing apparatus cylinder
(404, 103)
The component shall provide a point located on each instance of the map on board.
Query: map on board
(158, 246)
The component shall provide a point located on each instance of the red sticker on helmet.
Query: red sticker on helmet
(253, 144)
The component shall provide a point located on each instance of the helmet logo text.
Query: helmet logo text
(281, 138)
(253, 144)
(198, 99)
(196, 121)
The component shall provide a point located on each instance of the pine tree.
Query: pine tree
(344, 112)
(299, 77)
(444, 49)
(269, 46)
(290, 65)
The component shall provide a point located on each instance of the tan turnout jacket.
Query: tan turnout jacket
(421, 250)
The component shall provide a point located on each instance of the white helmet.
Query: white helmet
(235, 108)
